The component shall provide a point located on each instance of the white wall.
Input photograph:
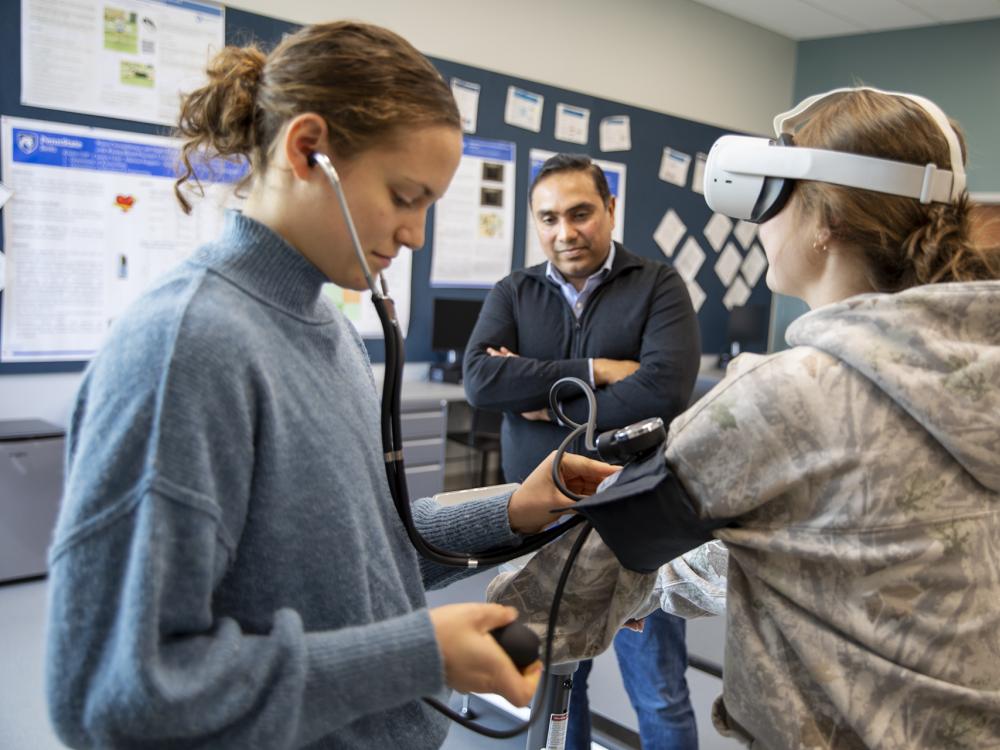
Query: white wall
(672, 56)
(48, 397)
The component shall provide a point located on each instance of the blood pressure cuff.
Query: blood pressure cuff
(643, 519)
(646, 518)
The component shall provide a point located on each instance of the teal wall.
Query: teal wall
(957, 66)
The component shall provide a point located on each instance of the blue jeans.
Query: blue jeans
(652, 665)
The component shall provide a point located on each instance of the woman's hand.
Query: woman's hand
(531, 504)
(473, 660)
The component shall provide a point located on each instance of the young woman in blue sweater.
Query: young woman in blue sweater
(228, 568)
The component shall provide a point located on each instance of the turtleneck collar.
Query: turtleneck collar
(258, 260)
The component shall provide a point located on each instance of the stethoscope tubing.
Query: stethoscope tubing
(392, 447)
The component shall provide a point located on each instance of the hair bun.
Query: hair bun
(219, 118)
(946, 247)
(366, 82)
(236, 74)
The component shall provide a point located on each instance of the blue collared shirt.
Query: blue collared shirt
(578, 299)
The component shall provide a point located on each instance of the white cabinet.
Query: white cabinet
(31, 481)
(422, 425)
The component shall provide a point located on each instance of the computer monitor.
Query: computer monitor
(748, 329)
(453, 322)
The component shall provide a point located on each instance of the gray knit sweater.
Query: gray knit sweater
(228, 570)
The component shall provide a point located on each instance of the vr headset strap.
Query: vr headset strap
(786, 122)
(758, 157)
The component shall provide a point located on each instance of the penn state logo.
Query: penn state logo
(27, 142)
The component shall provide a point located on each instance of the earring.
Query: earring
(817, 246)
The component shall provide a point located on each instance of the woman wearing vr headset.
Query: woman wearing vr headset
(228, 568)
(857, 471)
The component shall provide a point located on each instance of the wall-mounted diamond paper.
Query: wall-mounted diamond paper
(717, 230)
(697, 294)
(728, 264)
(670, 232)
(745, 231)
(754, 265)
(736, 295)
(689, 259)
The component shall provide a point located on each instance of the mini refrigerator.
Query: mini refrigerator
(31, 483)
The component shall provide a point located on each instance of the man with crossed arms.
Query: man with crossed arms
(624, 324)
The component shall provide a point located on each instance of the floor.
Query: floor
(460, 738)
(23, 716)
(23, 723)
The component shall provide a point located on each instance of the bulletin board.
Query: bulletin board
(649, 197)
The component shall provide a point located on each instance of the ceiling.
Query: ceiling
(813, 19)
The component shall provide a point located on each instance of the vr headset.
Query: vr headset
(752, 178)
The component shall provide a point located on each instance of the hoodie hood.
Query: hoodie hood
(935, 351)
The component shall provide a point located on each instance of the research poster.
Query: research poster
(91, 222)
(129, 59)
(474, 220)
(615, 174)
(358, 307)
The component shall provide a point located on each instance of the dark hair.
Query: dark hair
(573, 163)
(365, 81)
(905, 243)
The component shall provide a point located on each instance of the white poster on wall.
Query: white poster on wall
(615, 133)
(93, 220)
(466, 95)
(674, 166)
(698, 173)
(572, 123)
(524, 109)
(117, 58)
(615, 174)
(474, 220)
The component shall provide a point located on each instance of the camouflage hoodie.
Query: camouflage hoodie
(862, 471)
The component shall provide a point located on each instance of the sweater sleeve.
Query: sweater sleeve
(470, 527)
(669, 355)
(515, 384)
(137, 657)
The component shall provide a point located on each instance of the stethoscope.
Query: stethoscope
(518, 640)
